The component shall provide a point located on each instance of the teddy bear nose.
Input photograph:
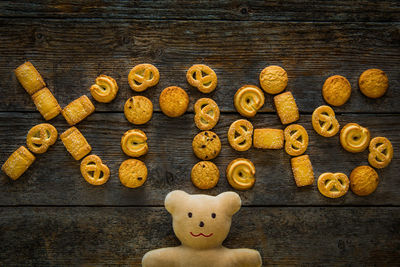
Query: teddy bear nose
(201, 224)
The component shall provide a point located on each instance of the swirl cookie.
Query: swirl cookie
(380, 152)
(46, 103)
(94, 171)
(132, 173)
(138, 109)
(206, 145)
(336, 90)
(206, 114)
(296, 140)
(202, 77)
(134, 143)
(268, 138)
(78, 110)
(354, 138)
(240, 135)
(40, 137)
(373, 83)
(248, 100)
(19, 161)
(363, 180)
(240, 174)
(286, 108)
(75, 143)
(143, 76)
(273, 79)
(205, 175)
(105, 89)
(174, 101)
(29, 78)
(324, 121)
(333, 185)
(302, 170)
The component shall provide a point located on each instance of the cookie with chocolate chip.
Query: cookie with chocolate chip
(206, 145)
(205, 175)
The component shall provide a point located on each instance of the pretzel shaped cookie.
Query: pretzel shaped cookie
(296, 139)
(380, 152)
(354, 138)
(333, 185)
(134, 143)
(41, 137)
(248, 100)
(202, 77)
(143, 76)
(324, 121)
(240, 174)
(240, 135)
(105, 89)
(94, 171)
(207, 113)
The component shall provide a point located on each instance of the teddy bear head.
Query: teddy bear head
(201, 221)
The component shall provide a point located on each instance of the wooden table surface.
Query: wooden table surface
(52, 217)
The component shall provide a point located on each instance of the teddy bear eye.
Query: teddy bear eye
(213, 215)
(190, 215)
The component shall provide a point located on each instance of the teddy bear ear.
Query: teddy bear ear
(230, 201)
(174, 199)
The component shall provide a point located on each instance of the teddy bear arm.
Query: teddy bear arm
(245, 257)
(160, 257)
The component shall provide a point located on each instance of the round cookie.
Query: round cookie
(132, 173)
(206, 145)
(273, 79)
(373, 83)
(363, 180)
(174, 101)
(205, 175)
(138, 109)
(336, 90)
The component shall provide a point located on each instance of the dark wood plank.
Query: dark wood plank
(290, 10)
(55, 179)
(88, 236)
(71, 53)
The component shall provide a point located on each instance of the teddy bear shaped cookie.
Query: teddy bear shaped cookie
(201, 223)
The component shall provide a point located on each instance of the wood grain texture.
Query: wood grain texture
(86, 236)
(290, 10)
(55, 179)
(70, 54)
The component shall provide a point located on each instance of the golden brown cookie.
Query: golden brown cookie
(138, 109)
(206, 113)
(336, 90)
(134, 143)
(105, 89)
(354, 138)
(40, 137)
(248, 100)
(267, 138)
(363, 180)
(380, 152)
(18, 163)
(286, 108)
(143, 76)
(296, 140)
(324, 121)
(302, 170)
(206, 145)
(94, 171)
(240, 174)
(273, 79)
(132, 173)
(174, 101)
(78, 110)
(240, 135)
(75, 143)
(373, 83)
(333, 185)
(205, 175)
(46, 103)
(29, 78)
(202, 77)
